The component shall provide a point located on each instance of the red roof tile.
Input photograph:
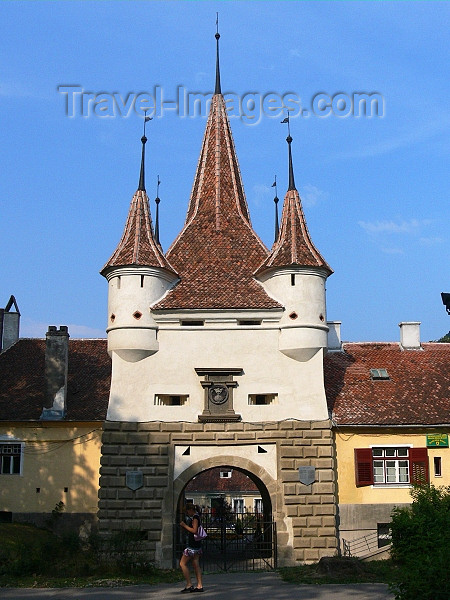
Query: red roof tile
(137, 245)
(22, 383)
(217, 252)
(418, 391)
(210, 480)
(294, 245)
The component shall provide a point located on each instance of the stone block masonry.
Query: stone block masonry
(304, 514)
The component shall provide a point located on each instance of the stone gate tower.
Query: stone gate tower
(217, 359)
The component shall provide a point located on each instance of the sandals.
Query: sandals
(187, 590)
(197, 589)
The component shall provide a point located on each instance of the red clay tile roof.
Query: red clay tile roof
(211, 480)
(22, 384)
(418, 391)
(217, 252)
(137, 245)
(294, 245)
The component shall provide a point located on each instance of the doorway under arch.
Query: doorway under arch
(236, 511)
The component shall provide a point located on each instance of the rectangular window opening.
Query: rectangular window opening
(10, 459)
(142, 280)
(225, 474)
(249, 322)
(171, 400)
(292, 278)
(192, 323)
(262, 399)
(383, 534)
(437, 466)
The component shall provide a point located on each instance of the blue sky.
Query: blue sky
(375, 190)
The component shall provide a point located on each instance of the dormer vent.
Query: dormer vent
(379, 374)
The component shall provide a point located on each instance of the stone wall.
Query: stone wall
(304, 514)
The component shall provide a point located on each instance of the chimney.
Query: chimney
(56, 368)
(9, 325)
(334, 336)
(410, 335)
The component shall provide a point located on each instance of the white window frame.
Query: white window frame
(391, 466)
(12, 442)
(241, 501)
(259, 502)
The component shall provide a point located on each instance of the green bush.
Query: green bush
(421, 545)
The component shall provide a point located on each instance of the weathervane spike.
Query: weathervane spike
(143, 140)
(217, 36)
(157, 201)
(276, 200)
(289, 141)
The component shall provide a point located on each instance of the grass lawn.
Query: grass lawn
(33, 557)
(342, 570)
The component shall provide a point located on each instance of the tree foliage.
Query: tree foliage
(445, 339)
(421, 545)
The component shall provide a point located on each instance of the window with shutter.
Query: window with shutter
(390, 465)
(363, 466)
(419, 466)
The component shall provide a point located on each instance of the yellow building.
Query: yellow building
(53, 398)
(391, 418)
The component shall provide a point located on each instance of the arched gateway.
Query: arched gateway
(217, 359)
(241, 534)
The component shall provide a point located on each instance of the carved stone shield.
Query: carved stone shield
(134, 480)
(307, 475)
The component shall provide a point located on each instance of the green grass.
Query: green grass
(33, 557)
(341, 570)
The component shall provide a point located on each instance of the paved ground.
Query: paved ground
(241, 586)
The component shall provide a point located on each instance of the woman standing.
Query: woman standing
(193, 550)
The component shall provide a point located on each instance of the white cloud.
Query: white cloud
(33, 329)
(311, 195)
(431, 241)
(411, 226)
(418, 133)
(18, 90)
(261, 193)
(392, 250)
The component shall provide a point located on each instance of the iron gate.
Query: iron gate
(237, 542)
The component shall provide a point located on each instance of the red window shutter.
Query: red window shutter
(418, 466)
(363, 466)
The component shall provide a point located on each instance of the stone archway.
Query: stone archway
(236, 542)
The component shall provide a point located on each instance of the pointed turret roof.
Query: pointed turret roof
(294, 246)
(137, 246)
(217, 252)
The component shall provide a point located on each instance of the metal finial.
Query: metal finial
(157, 201)
(217, 36)
(289, 141)
(143, 140)
(276, 200)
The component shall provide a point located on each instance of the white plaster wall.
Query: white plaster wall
(306, 297)
(298, 385)
(134, 338)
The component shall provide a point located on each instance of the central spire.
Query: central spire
(217, 89)
(217, 252)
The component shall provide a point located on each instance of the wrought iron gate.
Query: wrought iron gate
(237, 542)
